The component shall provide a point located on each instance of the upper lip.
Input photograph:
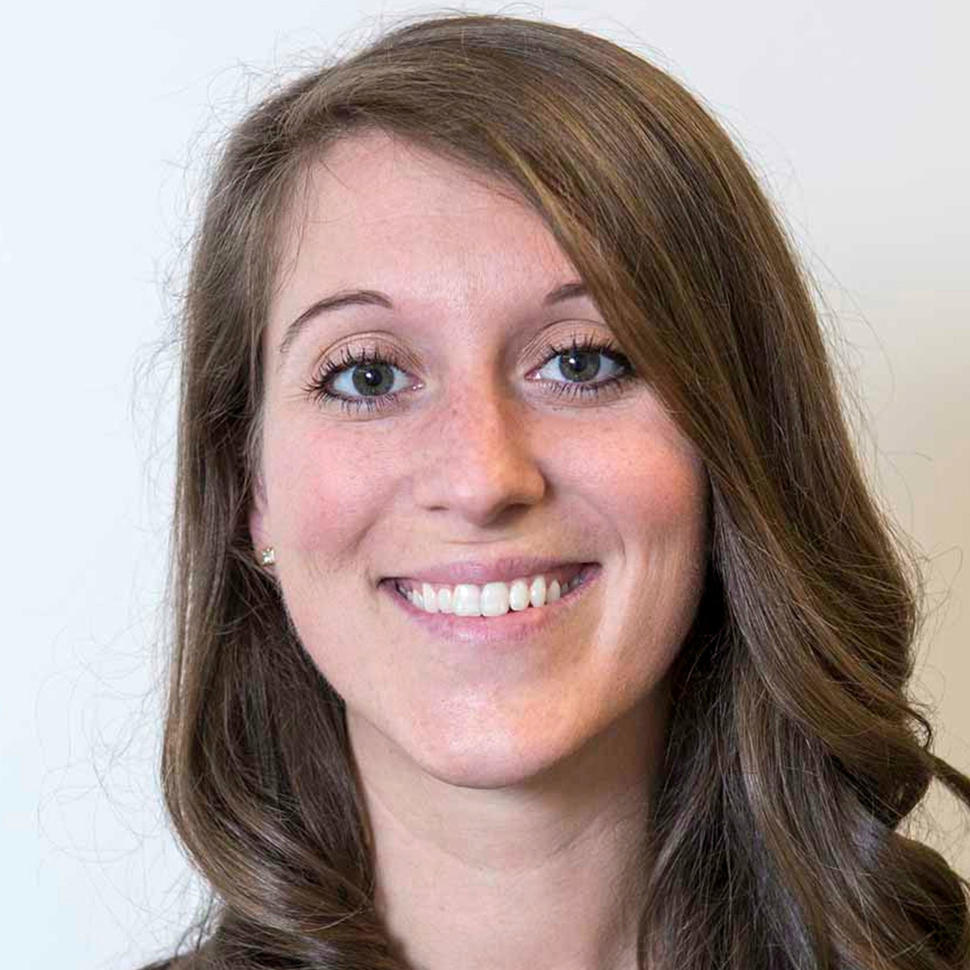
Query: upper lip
(494, 571)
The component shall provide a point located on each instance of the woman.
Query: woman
(531, 607)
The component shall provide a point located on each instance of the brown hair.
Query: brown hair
(793, 752)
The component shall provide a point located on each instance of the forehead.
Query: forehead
(375, 169)
(379, 211)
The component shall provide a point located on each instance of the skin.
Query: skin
(504, 789)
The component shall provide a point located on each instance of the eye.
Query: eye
(580, 362)
(364, 379)
(369, 374)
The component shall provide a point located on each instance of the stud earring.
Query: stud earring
(267, 556)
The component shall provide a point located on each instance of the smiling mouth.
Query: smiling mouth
(492, 600)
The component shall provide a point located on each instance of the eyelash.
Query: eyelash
(317, 388)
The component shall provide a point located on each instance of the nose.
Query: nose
(480, 460)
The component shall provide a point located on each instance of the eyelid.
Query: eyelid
(541, 342)
(551, 347)
(351, 356)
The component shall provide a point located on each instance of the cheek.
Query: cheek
(324, 491)
(653, 485)
(671, 520)
(655, 493)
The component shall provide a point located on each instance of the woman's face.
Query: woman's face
(461, 452)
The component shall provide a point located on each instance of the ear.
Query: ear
(259, 530)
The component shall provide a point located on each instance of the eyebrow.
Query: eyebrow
(345, 298)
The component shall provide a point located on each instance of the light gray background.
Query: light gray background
(852, 112)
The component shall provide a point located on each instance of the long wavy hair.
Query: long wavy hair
(793, 752)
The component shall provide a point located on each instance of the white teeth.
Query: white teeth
(492, 599)
(430, 599)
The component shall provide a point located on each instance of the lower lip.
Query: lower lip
(512, 627)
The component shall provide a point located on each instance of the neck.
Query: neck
(545, 872)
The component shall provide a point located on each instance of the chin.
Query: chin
(491, 754)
